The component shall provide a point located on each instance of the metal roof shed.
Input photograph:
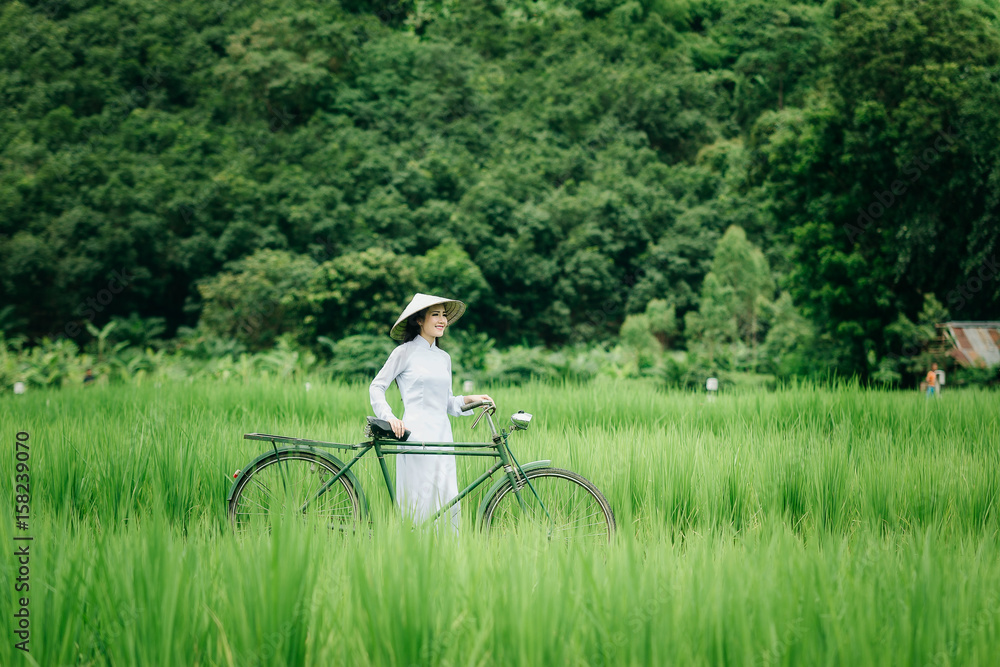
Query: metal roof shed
(974, 344)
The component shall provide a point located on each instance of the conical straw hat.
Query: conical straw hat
(453, 310)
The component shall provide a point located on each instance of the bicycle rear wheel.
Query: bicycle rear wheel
(281, 483)
(571, 507)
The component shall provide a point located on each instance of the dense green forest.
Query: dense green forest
(774, 186)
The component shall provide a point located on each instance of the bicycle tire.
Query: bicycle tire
(281, 482)
(569, 498)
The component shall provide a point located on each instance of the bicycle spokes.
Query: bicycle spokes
(570, 507)
(281, 485)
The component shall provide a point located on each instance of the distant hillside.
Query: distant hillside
(586, 156)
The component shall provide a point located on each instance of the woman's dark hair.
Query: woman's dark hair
(413, 328)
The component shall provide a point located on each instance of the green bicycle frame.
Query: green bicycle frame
(499, 449)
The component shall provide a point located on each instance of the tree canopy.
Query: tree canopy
(561, 165)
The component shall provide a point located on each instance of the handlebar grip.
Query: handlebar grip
(472, 406)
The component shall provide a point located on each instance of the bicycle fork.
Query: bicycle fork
(515, 474)
(506, 457)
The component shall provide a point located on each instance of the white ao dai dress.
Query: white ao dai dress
(422, 372)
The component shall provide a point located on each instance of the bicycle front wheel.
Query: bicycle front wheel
(570, 507)
(284, 483)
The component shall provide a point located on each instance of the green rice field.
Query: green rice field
(806, 526)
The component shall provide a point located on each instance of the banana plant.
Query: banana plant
(101, 335)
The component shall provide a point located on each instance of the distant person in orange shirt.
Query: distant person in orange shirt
(931, 380)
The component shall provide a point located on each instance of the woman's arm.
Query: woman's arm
(376, 390)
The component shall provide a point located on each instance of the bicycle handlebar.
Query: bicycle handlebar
(474, 405)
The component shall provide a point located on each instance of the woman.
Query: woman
(422, 371)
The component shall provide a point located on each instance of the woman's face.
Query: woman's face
(434, 323)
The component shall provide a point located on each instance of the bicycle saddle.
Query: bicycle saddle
(381, 429)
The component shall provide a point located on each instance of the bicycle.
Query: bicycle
(304, 476)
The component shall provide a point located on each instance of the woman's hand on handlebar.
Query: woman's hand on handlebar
(478, 397)
(397, 427)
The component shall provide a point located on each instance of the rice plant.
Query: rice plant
(803, 526)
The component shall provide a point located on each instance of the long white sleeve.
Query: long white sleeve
(455, 403)
(376, 391)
